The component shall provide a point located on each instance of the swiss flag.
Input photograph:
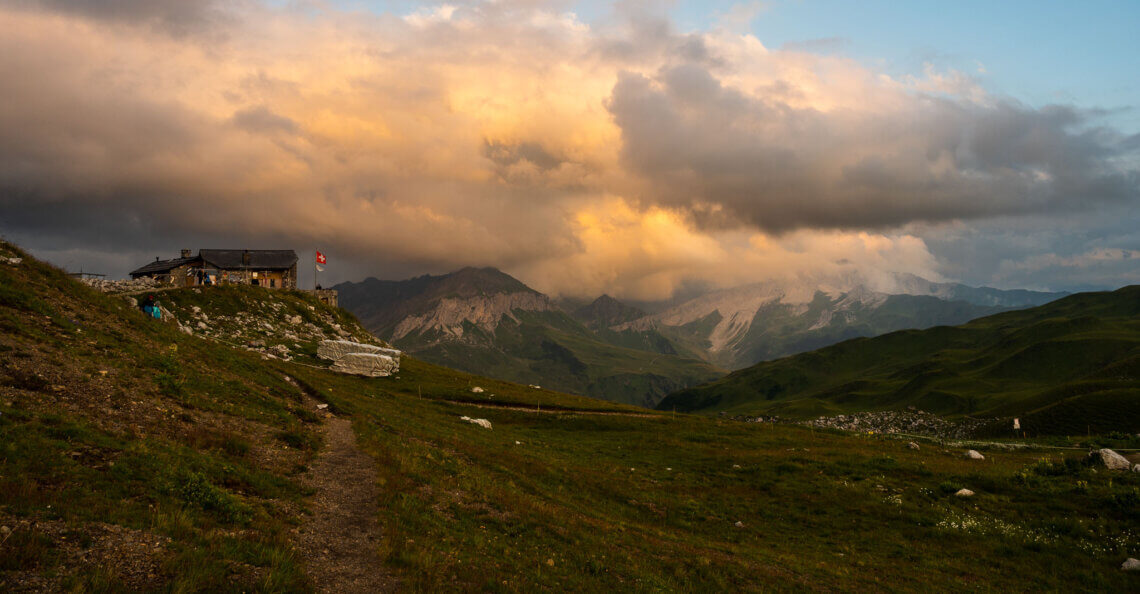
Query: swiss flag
(321, 258)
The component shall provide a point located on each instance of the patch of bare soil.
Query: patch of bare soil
(133, 558)
(339, 541)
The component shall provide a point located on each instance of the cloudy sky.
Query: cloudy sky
(629, 147)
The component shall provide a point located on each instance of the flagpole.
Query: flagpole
(314, 271)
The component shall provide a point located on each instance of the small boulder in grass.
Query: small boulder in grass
(964, 493)
(1131, 564)
(912, 445)
(975, 455)
(484, 423)
(476, 390)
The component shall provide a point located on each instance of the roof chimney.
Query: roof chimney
(187, 254)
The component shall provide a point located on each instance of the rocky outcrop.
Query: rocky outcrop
(122, 286)
(484, 311)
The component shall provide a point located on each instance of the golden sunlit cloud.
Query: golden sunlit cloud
(630, 160)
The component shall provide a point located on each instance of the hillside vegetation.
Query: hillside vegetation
(136, 457)
(1068, 367)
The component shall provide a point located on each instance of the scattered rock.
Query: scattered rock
(295, 320)
(736, 466)
(202, 326)
(964, 493)
(5, 531)
(975, 455)
(913, 446)
(1136, 468)
(322, 406)
(484, 423)
(1110, 459)
(121, 286)
(895, 421)
(477, 390)
(739, 524)
(1131, 564)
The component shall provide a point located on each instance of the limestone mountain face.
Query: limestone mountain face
(741, 326)
(451, 315)
(441, 303)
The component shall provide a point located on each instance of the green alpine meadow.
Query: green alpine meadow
(140, 457)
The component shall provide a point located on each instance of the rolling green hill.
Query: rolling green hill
(1069, 366)
(135, 457)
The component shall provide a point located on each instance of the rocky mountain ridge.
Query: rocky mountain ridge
(744, 325)
(451, 315)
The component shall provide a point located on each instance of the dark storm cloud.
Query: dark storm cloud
(781, 167)
(177, 17)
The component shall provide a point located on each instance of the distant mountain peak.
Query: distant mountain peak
(605, 311)
(471, 281)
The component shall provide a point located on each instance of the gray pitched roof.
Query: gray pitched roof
(249, 259)
(160, 266)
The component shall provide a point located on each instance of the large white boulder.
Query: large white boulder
(1111, 459)
(367, 364)
(333, 350)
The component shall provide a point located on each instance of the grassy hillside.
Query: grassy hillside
(1067, 367)
(178, 470)
(552, 350)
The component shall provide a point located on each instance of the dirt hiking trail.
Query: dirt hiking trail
(338, 542)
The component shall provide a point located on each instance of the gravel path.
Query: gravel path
(338, 542)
